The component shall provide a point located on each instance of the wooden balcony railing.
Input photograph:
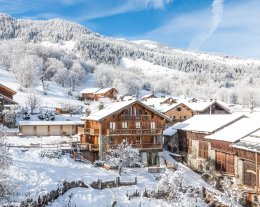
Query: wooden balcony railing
(89, 131)
(139, 146)
(81, 130)
(135, 117)
(115, 132)
(88, 147)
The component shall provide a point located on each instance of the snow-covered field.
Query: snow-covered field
(36, 175)
(56, 94)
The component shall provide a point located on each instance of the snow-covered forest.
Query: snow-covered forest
(64, 52)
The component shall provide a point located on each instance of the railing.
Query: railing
(139, 146)
(135, 117)
(88, 147)
(81, 130)
(111, 132)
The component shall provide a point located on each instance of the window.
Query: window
(112, 141)
(124, 125)
(184, 117)
(180, 117)
(138, 124)
(112, 125)
(178, 109)
(138, 140)
(156, 139)
(152, 125)
(174, 117)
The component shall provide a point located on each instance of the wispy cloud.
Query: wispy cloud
(201, 38)
(237, 34)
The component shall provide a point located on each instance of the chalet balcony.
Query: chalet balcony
(135, 132)
(139, 146)
(81, 130)
(135, 118)
(88, 147)
(88, 131)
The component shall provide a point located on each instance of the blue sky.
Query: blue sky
(223, 26)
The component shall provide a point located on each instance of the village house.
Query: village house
(95, 94)
(207, 107)
(191, 135)
(225, 159)
(247, 150)
(177, 112)
(49, 128)
(139, 124)
(6, 98)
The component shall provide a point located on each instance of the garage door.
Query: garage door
(67, 130)
(55, 130)
(42, 130)
(28, 130)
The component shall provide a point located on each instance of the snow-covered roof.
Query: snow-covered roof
(103, 90)
(209, 123)
(111, 108)
(237, 130)
(7, 88)
(49, 123)
(159, 105)
(89, 90)
(173, 129)
(203, 105)
(250, 142)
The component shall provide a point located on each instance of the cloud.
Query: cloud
(217, 13)
(238, 33)
(123, 6)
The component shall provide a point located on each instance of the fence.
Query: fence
(99, 184)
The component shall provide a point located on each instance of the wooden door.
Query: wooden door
(225, 162)
(249, 174)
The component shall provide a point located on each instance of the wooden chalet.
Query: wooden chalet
(6, 98)
(140, 124)
(146, 97)
(191, 135)
(95, 94)
(177, 112)
(247, 150)
(208, 107)
(222, 152)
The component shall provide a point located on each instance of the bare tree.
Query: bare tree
(33, 101)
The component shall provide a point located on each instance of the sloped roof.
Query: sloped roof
(112, 108)
(237, 130)
(89, 90)
(103, 90)
(250, 142)
(173, 129)
(203, 105)
(9, 89)
(208, 123)
(157, 104)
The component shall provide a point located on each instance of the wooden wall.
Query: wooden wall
(180, 113)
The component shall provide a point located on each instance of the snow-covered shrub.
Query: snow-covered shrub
(124, 156)
(5, 162)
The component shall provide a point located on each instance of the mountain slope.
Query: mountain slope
(79, 44)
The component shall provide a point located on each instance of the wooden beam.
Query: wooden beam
(257, 173)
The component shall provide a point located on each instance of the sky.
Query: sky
(229, 27)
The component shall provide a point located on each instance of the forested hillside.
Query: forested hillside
(24, 45)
